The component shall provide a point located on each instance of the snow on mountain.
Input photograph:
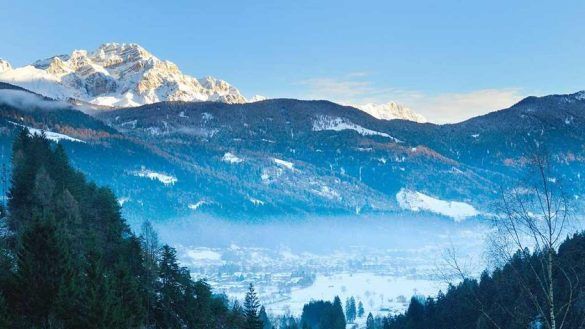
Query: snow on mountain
(50, 135)
(167, 180)
(231, 158)
(116, 75)
(391, 111)
(416, 201)
(339, 124)
(4, 66)
(257, 98)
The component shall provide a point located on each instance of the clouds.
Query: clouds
(27, 101)
(451, 107)
(457, 107)
(352, 88)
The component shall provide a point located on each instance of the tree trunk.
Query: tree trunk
(551, 296)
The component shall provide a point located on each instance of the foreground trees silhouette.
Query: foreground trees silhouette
(69, 260)
(540, 274)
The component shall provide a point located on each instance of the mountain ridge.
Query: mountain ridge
(122, 75)
(285, 157)
(116, 75)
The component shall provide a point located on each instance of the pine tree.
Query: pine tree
(45, 270)
(102, 304)
(169, 292)
(416, 314)
(370, 324)
(338, 317)
(350, 309)
(360, 310)
(251, 306)
(264, 318)
(237, 318)
(5, 316)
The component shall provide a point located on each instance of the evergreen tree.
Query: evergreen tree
(415, 314)
(264, 319)
(370, 324)
(5, 316)
(237, 318)
(45, 270)
(167, 314)
(338, 317)
(350, 310)
(251, 308)
(360, 309)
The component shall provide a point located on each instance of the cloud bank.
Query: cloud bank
(437, 108)
(27, 101)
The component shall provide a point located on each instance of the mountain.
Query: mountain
(116, 75)
(285, 157)
(4, 65)
(391, 111)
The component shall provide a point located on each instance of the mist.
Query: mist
(324, 234)
(25, 100)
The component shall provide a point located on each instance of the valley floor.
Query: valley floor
(381, 262)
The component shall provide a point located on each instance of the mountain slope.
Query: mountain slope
(285, 157)
(116, 75)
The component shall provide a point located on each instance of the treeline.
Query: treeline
(510, 297)
(69, 260)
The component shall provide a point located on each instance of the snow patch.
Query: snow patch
(286, 164)
(197, 205)
(123, 200)
(340, 124)
(231, 158)
(167, 180)
(52, 136)
(416, 201)
(256, 202)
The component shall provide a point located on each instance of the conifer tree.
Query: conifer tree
(264, 318)
(360, 309)
(350, 310)
(237, 318)
(338, 317)
(45, 270)
(169, 291)
(251, 308)
(370, 324)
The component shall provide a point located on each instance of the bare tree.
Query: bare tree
(534, 216)
(150, 247)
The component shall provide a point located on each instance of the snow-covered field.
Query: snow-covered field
(381, 262)
(417, 201)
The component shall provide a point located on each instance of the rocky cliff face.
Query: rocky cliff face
(391, 111)
(116, 75)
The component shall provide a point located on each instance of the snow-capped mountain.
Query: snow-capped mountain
(4, 65)
(116, 75)
(257, 98)
(391, 111)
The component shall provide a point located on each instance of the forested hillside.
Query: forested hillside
(68, 259)
(510, 297)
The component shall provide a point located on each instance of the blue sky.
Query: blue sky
(448, 60)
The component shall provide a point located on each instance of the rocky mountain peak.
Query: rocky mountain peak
(117, 75)
(4, 65)
(391, 111)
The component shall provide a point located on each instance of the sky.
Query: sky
(448, 60)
